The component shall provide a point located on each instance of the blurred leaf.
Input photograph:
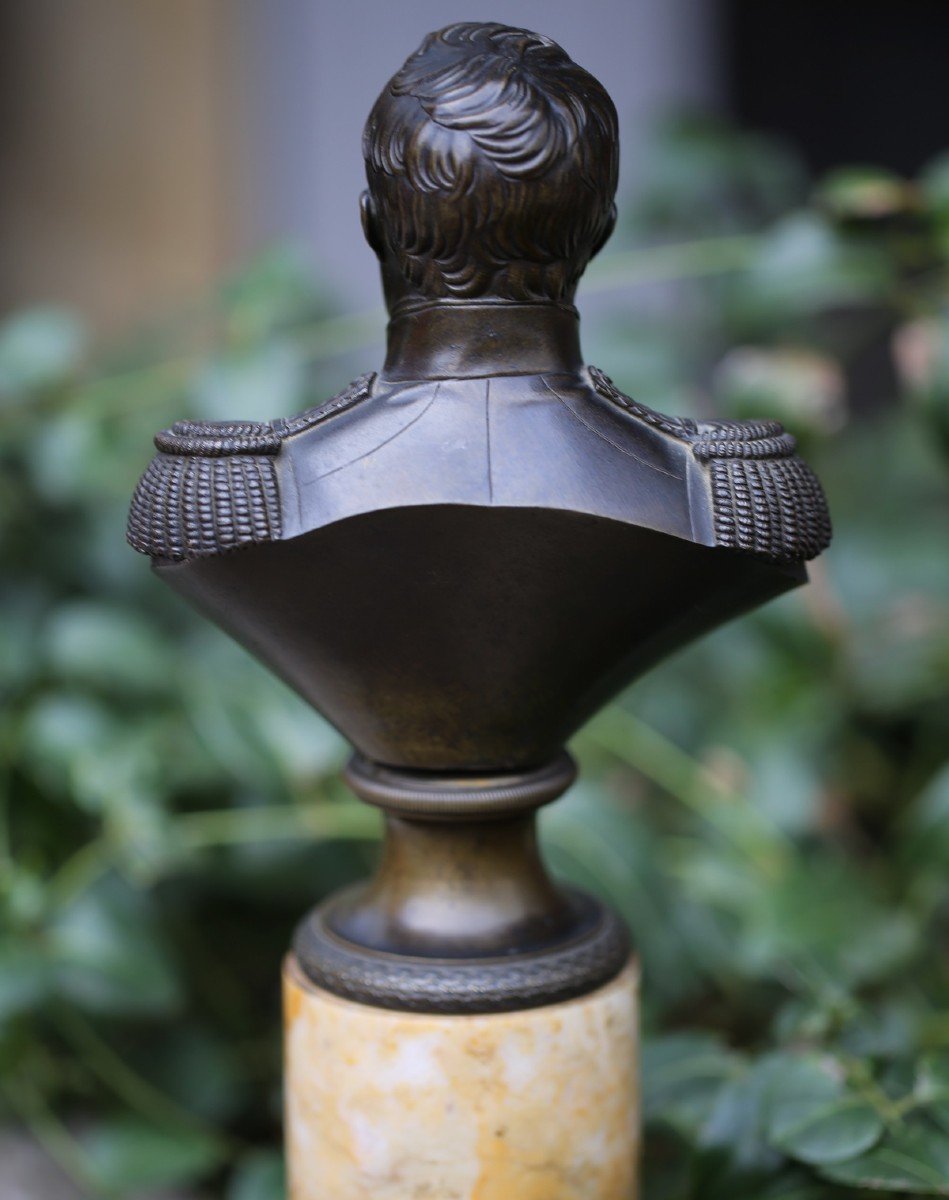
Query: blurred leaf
(701, 174)
(62, 727)
(258, 1176)
(813, 1117)
(803, 390)
(864, 193)
(305, 745)
(921, 352)
(252, 385)
(931, 1090)
(682, 1074)
(805, 265)
(826, 920)
(126, 1154)
(934, 185)
(736, 1122)
(38, 347)
(198, 1070)
(104, 646)
(274, 291)
(109, 956)
(18, 635)
(890, 1029)
(927, 822)
(915, 1159)
(602, 846)
(65, 457)
(25, 977)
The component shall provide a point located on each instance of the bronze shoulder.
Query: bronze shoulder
(765, 499)
(213, 487)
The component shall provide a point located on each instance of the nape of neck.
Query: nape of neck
(474, 339)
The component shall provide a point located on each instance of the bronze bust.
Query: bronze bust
(460, 558)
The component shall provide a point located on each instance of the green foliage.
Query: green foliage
(770, 810)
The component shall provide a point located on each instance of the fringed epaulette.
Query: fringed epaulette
(360, 389)
(765, 499)
(213, 485)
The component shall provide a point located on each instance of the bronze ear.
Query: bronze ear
(370, 223)
(607, 232)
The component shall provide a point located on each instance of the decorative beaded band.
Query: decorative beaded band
(478, 985)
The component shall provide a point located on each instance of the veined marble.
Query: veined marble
(533, 1105)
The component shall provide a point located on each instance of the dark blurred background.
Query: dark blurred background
(770, 810)
(149, 146)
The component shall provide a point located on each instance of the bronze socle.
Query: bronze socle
(462, 557)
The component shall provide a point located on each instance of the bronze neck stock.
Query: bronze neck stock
(474, 339)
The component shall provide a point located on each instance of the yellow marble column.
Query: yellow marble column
(540, 1104)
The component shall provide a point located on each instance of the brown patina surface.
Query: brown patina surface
(462, 556)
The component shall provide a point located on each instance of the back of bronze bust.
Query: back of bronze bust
(460, 557)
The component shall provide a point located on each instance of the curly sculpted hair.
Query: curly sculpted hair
(492, 164)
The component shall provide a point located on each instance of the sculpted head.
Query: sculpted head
(492, 163)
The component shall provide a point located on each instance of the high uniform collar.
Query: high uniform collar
(482, 338)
